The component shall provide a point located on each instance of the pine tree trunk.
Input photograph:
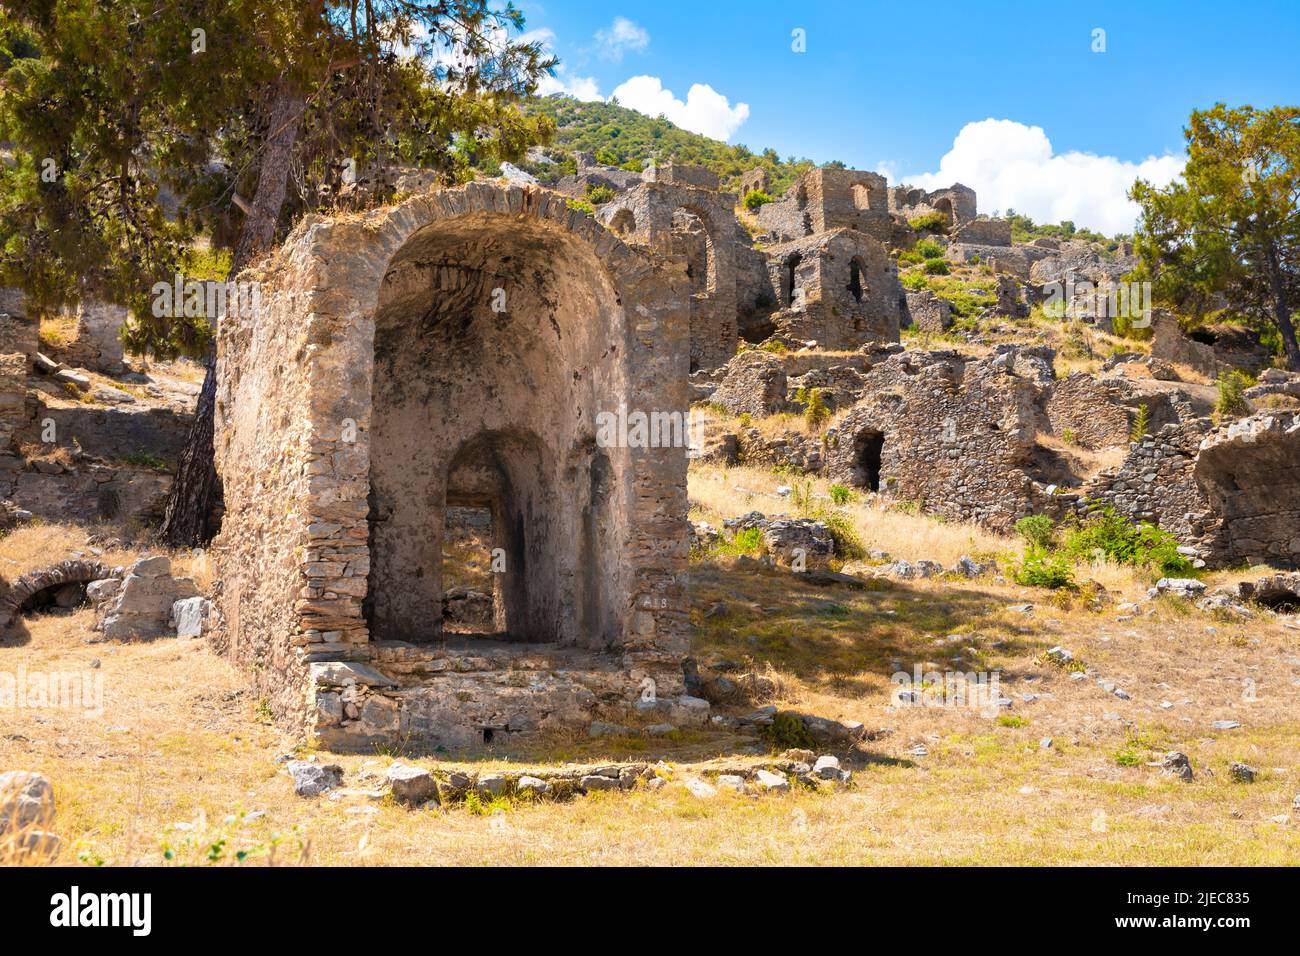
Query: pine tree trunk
(194, 490)
(1281, 311)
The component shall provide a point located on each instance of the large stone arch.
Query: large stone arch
(367, 322)
(72, 571)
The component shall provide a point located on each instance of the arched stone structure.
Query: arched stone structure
(458, 348)
(655, 210)
(34, 582)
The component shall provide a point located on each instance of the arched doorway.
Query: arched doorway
(493, 349)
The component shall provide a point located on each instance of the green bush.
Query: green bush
(914, 281)
(935, 222)
(1038, 530)
(1043, 569)
(747, 542)
(1141, 423)
(912, 257)
(935, 267)
(1108, 533)
(1232, 394)
(581, 206)
(599, 195)
(816, 412)
(929, 249)
(755, 198)
(841, 495)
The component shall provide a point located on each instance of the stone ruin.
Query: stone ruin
(454, 351)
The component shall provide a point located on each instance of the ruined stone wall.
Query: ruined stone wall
(984, 232)
(954, 435)
(1249, 470)
(825, 199)
(1156, 484)
(1090, 410)
(651, 216)
(319, 401)
(839, 289)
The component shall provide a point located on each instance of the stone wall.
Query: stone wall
(825, 199)
(452, 349)
(838, 288)
(698, 227)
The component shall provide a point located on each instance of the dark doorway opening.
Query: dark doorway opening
(867, 450)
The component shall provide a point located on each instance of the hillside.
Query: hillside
(619, 136)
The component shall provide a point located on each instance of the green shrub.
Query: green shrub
(1038, 530)
(599, 195)
(914, 281)
(748, 542)
(1106, 533)
(848, 545)
(1232, 394)
(935, 222)
(929, 249)
(816, 412)
(1141, 423)
(911, 257)
(841, 495)
(1043, 569)
(755, 198)
(789, 732)
(776, 346)
(582, 206)
(935, 267)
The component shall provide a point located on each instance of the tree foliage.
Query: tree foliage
(138, 127)
(618, 136)
(1230, 230)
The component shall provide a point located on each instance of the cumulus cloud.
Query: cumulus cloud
(705, 111)
(1012, 166)
(620, 36)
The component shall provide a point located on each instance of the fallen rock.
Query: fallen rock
(1178, 765)
(1181, 587)
(313, 779)
(414, 786)
(1242, 773)
(772, 782)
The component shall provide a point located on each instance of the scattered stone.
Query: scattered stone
(731, 781)
(1225, 725)
(1181, 587)
(660, 730)
(412, 785)
(777, 783)
(313, 779)
(1242, 773)
(594, 781)
(1178, 765)
(527, 786)
(700, 789)
(1060, 655)
(492, 785)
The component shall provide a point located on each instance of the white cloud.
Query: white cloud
(621, 35)
(705, 111)
(1012, 166)
(579, 87)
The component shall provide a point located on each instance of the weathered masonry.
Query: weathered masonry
(453, 352)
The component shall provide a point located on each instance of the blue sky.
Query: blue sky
(890, 86)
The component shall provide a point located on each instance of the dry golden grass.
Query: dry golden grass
(181, 766)
(717, 492)
(58, 331)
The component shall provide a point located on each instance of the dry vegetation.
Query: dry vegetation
(181, 766)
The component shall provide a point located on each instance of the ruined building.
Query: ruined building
(453, 352)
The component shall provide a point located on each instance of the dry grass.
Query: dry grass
(181, 766)
(58, 331)
(717, 492)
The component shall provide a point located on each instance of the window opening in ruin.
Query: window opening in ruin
(790, 287)
(855, 280)
(945, 206)
(468, 582)
(867, 451)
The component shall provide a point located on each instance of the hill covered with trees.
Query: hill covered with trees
(622, 137)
